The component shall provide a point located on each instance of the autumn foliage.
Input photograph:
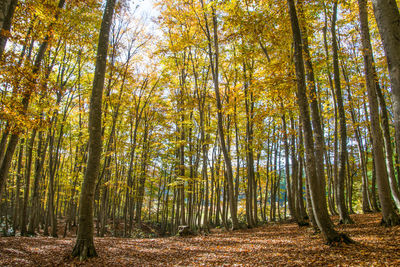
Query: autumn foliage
(204, 115)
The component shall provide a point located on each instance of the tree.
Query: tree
(84, 246)
(390, 217)
(387, 17)
(8, 9)
(319, 209)
(214, 63)
(343, 213)
(13, 140)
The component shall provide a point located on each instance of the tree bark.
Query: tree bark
(340, 197)
(319, 207)
(84, 246)
(6, 24)
(214, 62)
(388, 19)
(389, 214)
(29, 152)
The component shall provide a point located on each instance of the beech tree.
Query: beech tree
(319, 209)
(84, 246)
(225, 114)
(387, 16)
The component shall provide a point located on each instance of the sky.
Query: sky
(146, 7)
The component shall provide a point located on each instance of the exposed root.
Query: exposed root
(303, 223)
(340, 239)
(84, 249)
(392, 220)
(346, 220)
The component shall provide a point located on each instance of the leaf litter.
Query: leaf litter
(278, 244)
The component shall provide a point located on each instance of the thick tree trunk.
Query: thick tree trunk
(388, 144)
(84, 246)
(331, 188)
(388, 19)
(40, 158)
(389, 214)
(319, 207)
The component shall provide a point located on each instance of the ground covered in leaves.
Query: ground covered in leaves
(272, 244)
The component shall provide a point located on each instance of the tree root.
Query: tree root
(340, 239)
(303, 223)
(346, 220)
(392, 220)
(84, 249)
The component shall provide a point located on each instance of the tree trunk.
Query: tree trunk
(214, 62)
(6, 23)
(29, 153)
(340, 197)
(319, 207)
(388, 19)
(40, 157)
(84, 246)
(389, 214)
(17, 205)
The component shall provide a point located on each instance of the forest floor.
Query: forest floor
(272, 244)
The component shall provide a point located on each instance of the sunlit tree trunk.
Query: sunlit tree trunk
(84, 246)
(340, 183)
(390, 217)
(214, 63)
(319, 207)
(387, 17)
(315, 112)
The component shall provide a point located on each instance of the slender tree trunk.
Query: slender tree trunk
(289, 188)
(364, 186)
(340, 197)
(214, 62)
(18, 187)
(6, 25)
(29, 153)
(84, 246)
